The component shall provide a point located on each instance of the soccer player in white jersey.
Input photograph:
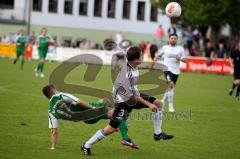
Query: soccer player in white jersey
(172, 55)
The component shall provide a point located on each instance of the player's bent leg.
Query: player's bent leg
(108, 130)
(170, 100)
(238, 90)
(106, 101)
(110, 113)
(158, 103)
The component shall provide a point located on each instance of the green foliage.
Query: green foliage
(207, 12)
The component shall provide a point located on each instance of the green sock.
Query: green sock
(42, 66)
(15, 61)
(124, 130)
(38, 67)
(22, 63)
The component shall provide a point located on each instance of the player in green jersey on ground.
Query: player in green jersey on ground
(79, 110)
(20, 47)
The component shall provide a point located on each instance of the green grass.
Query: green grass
(211, 130)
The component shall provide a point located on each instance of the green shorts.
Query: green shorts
(20, 52)
(94, 104)
(42, 53)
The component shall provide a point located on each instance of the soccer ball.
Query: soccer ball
(173, 9)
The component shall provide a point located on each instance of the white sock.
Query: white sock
(157, 122)
(95, 138)
(170, 98)
(165, 98)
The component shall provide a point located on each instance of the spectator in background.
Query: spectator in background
(159, 35)
(195, 50)
(142, 46)
(208, 52)
(119, 37)
(5, 39)
(172, 30)
(26, 35)
(221, 52)
(188, 37)
(196, 37)
(32, 38)
(153, 54)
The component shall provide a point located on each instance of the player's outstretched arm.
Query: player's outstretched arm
(84, 104)
(181, 59)
(54, 134)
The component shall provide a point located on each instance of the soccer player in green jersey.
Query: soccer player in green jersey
(76, 105)
(42, 43)
(20, 47)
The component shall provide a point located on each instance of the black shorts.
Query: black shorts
(236, 73)
(170, 77)
(123, 110)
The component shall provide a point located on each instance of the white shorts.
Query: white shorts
(52, 121)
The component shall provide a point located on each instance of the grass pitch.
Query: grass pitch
(206, 123)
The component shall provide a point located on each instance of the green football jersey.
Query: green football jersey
(43, 42)
(22, 42)
(61, 104)
(62, 97)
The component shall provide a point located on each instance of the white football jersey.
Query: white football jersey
(169, 54)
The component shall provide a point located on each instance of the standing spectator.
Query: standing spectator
(208, 53)
(172, 30)
(5, 39)
(26, 35)
(221, 52)
(159, 35)
(32, 38)
(188, 36)
(196, 37)
(119, 37)
(153, 54)
(142, 46)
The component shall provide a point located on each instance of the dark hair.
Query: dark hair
(173, 34)
(43, 29)
(47, 90)
(133, 53)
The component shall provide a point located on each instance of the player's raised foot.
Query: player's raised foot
(42, 75)
(86, 151)
(15, 61)
(230, 92)
(129, 143)
(162, 136)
